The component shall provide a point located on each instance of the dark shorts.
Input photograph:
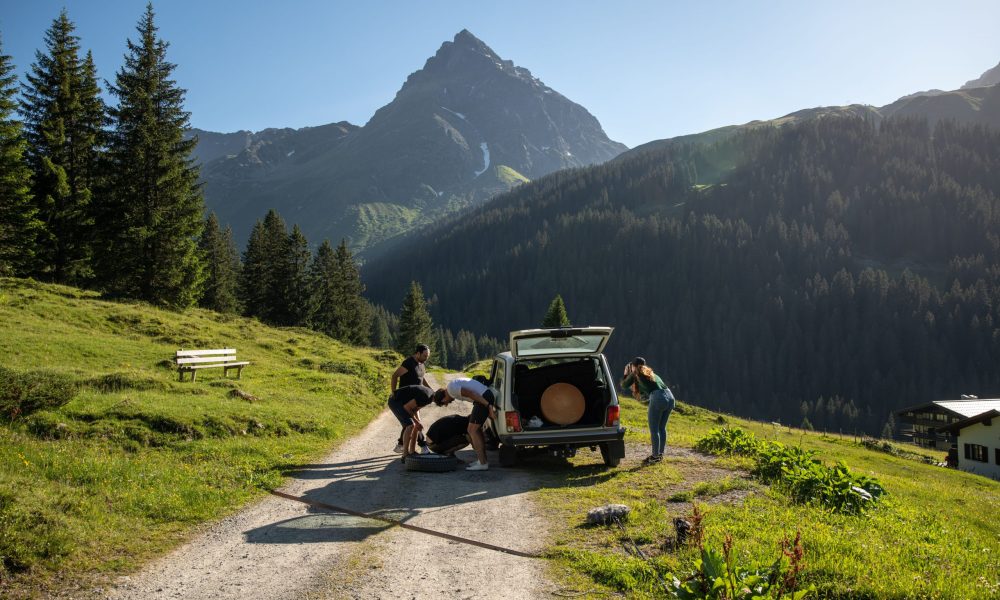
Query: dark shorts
(402, 416)
(479, 412)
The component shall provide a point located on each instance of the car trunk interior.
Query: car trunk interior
(532, 378)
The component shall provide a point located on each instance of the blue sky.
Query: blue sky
(646, 69)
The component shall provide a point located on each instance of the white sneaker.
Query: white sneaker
(398, 449)
(478, 466)
(425, 450)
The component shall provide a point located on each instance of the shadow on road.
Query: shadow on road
(382, 486)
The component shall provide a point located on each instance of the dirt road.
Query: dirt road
(284, 549)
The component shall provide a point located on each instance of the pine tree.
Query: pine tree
(255, 275)
(64, 120)
(222, 267)
(154, 208)
(19, 227)
(356, 324)
(325, 290)
(889, 429)
(556, 315)
(380, 335)
(415, 326)
(274, 253)
(293, 275)
(341, 311)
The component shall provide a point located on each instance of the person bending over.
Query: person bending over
(661, 402)
(448, 434)
(482, 400)
(405, 404)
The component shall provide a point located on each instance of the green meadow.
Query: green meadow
(107, 461)
(934, 535)
(135, 459)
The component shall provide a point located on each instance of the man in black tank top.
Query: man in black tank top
(412, 372)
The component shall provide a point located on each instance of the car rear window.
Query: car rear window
(545, 345)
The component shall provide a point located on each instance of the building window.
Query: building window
(977, 453)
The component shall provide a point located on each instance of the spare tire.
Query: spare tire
(431, 463)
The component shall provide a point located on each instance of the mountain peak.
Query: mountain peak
(466, 37)
(463, 43)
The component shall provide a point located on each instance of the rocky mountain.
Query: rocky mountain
(466, 126)
(990, 77)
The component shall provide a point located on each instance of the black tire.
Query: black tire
(508, 455)
(608, 459)
(431, 463)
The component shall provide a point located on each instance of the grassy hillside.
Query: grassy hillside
(935, 535)
(135, 459)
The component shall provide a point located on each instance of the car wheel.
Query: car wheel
(609, 460)
(508, 455)
(431, 463)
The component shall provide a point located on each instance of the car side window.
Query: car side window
(497, 380)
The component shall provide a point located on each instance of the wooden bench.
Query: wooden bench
(189, 361)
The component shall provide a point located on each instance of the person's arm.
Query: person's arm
(424, 383)
(478, 399)
(627, 381)
(414, 410)
(395, 377)
(629, 377)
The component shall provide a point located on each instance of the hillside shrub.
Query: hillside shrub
(729, 440)
(25, 392)
(797, 471)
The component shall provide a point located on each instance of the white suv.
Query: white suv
(539, 358)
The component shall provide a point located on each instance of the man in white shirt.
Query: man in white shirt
(482, 400)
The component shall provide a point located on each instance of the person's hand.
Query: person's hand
(493, 412)
(628, 368)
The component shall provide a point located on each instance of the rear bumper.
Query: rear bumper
(564, 438)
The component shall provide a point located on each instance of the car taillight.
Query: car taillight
(513, 420)
(612, 416)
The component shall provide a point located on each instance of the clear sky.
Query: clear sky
(647, 69)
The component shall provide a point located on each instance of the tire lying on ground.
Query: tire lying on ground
(431, 463)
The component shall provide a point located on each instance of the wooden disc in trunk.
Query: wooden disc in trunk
(563, 404)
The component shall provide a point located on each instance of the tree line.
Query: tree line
(824, 273)
(94, 195)
(107, 197)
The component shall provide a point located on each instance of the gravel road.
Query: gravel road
(280, 548)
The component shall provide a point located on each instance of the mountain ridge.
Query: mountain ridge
(435, 148)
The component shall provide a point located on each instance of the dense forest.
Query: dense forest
(824, 273)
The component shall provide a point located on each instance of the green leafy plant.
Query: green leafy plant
(717, 576)
(729, 440)
(798, 472)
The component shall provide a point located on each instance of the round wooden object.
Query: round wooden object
(563, 404)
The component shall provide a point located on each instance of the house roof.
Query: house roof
(965, 408)
(969, 408)
(956, 427)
